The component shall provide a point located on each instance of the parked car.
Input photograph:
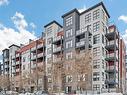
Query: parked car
(41, 93)
(28, 93)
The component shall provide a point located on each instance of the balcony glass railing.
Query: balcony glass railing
(80, 43)
(57, 38)
(112, 43)
(56, 49)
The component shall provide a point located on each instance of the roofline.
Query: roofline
(52, 23)
(101, 3)
(5, 49)
(73, 10)
(14, 45)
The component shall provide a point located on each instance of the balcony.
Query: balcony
(111, 57)
(111, 69)
(111, 81)
(111, 46)
(6, 59)
(17, 62)
(80, 55)
(40, 46)
(110, 35)
(39, 55)
(81, 43)
(57, 59)
(17, 55)
(33, 49)
(57, 39)
(82, 31)
(6, 66)
(18, 70)
(57, 49)
(33, 57)
(39, 64)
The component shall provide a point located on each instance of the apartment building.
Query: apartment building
(13, 65)
(85, 54)
(50, 32)
(88, 32)
(5, 66)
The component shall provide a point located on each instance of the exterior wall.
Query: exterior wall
(101, 82)
(122, 65)
(33, 63)
(49, 56)
(12, 65)
(126, 73)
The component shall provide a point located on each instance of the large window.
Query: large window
(68, 78)
(96, 64)
(96, 39)
(49, 51)
(103, 39)
(96, 26)
(68, 21)
(96, 14)
(69, 33)
(49, 41)
(96, 76)
(69, 44)
(96, 87)
(69, 55)
(96, 51)
(88, 18)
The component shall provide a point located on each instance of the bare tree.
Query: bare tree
(83, 67)
(4, 82)
(79, 66)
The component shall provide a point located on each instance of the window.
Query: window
(68, 21)
(103, 15)
(28, 66)
(96, 76)
(49, 80)
(96, 14)
(49, 51)
(96, 51)
(24, 59)
(103, 27)
(81, 77)
(103, 64)
(102, 76)
(23, 67)
(49, 59)
(88, 18)
(96, 39)
(69, 44)
(28, 57)
(68, 78)
(68, 66)
(69, 33)
(96, 26)
(49, 31)
(69, 55)
(96, 87)
(96, 64)
(103, 39)
(103, 52)
(49, 70)
(49, 41)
